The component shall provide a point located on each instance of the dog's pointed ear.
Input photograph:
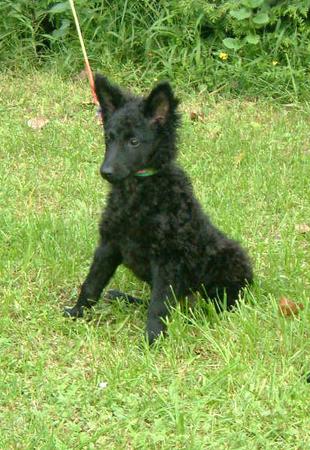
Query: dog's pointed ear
(160, 105)
(110, 96)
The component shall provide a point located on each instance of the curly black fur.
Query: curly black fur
(154, 225)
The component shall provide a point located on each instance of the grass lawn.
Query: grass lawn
(231, 382)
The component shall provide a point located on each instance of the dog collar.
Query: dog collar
(146, 172)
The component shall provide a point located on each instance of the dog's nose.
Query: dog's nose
(107, 173)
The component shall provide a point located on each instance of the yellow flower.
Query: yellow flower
(223, 56)
(274, 63)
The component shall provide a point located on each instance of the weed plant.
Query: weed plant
(253, 47)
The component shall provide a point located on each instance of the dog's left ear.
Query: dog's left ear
(160, 104)
(109, 95)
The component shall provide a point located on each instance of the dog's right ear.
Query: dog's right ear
(110, 96)
(161, 104)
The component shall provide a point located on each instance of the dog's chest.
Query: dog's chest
(136, 257)
(137, 239)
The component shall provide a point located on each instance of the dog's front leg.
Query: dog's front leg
(106, 259)
(163, 296)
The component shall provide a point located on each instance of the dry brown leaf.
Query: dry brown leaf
(289, 308)
(196, 116)
(302, 228)
(37, 123)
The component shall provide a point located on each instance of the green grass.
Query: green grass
(231, 382)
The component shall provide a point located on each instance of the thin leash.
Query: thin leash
(86, 61)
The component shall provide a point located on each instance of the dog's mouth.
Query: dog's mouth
(110, 178)
(113, 178)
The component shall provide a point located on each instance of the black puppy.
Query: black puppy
(153, 223)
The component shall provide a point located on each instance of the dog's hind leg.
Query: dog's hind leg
(113, 294)
(223, 298)
(229, 273)
(105, 262)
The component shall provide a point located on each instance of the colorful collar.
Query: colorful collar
(146, 172)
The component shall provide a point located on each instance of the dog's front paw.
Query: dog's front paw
(74, 312)
(154, 330)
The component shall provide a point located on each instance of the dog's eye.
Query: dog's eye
(134, 142)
